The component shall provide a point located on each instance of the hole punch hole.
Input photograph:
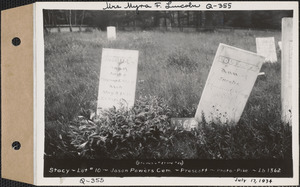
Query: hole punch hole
(16, 145)
(16, 41)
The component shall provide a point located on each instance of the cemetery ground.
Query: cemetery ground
(172, 70)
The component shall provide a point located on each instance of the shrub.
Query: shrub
(141, 132)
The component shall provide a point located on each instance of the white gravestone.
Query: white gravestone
(111, 33)
(286, 69)
(229, 84)
(266, 47)
(117, 78)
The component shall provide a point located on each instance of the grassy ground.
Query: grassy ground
(174, 67)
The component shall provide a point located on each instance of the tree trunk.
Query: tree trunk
(198, 20)
(156, 20)
(75, 14)
(49, 17)
(70, 20)
(178, 20)
(134, 24)
(203, 19)
(166, 20)
(171, 16)
(82, 18)
(188, 18)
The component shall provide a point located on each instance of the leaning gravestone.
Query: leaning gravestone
(286, 69)
(111, 33)
(117, 78)
(229, 84)
(266, 47)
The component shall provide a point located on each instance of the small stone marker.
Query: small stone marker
(229, 84)
(266, 47)
(111, 33)
(187, 123)
(286, 69)
(117, 78)
(280, 45)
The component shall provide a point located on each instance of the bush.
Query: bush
(141, 132)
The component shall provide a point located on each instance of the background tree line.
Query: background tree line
(147, 20)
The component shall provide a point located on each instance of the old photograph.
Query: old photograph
(130, 90)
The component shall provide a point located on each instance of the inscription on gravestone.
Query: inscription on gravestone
(111, 33)
(266, 47)
(117, 78)
(286, 69)
(229, 84)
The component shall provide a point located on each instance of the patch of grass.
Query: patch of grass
(173, 67)
(180, 60)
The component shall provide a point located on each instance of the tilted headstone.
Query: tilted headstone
(286, 69)
(266, 47)
(111, 33)
(186, 123)
(229, 84)
(117, 78)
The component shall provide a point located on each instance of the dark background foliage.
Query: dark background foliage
(147, 20)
